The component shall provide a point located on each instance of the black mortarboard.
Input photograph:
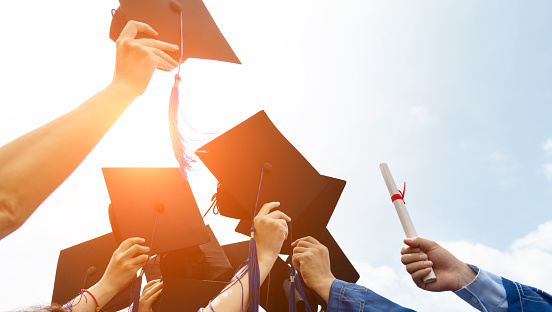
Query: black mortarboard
(203, 262)
(341, 267)
(187, 294)
(82, 266)
(160, 199)
(200, 34)
(313, 220)
(239, 156)
(236, 253)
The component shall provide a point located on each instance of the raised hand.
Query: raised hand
(150, 293)
(452, 274)
(270, 231)
(138, 58)
(312, 260)
(125, 262)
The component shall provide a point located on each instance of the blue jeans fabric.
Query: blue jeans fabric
(352, 297)
(526, 298)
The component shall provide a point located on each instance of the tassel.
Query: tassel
(299, 288)
(135, 294)
(295, 283)
(137, 281)
(254, 276)
(183, 156)
(292, 302)
(252, 260)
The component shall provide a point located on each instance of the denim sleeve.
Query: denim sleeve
(345, 297)
(486, 292)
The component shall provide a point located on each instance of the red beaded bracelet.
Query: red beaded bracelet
(91, 295)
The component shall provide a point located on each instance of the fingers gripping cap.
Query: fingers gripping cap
(200, 35)
(239, 156)
(83, 265)
(314, 219)
(154, 202)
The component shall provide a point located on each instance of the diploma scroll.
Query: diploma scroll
(406, 222)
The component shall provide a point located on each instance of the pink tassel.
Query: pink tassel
(182, 154)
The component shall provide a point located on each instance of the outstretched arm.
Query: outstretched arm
(35, 164)
(271, 231)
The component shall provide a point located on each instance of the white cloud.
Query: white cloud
(541, 239)
(526, 261)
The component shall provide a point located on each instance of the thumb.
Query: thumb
(418, 242)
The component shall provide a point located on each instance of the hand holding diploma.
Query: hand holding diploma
(406, 222)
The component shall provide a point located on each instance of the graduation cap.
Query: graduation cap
(82, 266)
(257, 165)
(188, 24)
(203, 262)
(201, 38)
(313, 220)
(187, 294)
(255, 159)
(156, 204)
(340, 265)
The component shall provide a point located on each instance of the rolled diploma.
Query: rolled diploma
(406, 222)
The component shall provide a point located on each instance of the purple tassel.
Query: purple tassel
(254, 277)
(135, 295)
(295, 283)
(292, 306)
(299, 288)
(183, 156)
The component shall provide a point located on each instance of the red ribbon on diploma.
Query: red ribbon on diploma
(400, 195)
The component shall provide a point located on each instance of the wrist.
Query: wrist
(103, 291)
(266, 261)
(323, 287)
(124, 89)
(465, 277)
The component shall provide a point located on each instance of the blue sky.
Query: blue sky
(455, 96)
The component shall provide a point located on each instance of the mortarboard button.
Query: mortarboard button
(200, 34)
(239, 156)
(154, 202)
(83, 265)
(176, 6)
(91, 270)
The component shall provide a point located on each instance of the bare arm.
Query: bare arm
(271, 231)
(35, 164)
